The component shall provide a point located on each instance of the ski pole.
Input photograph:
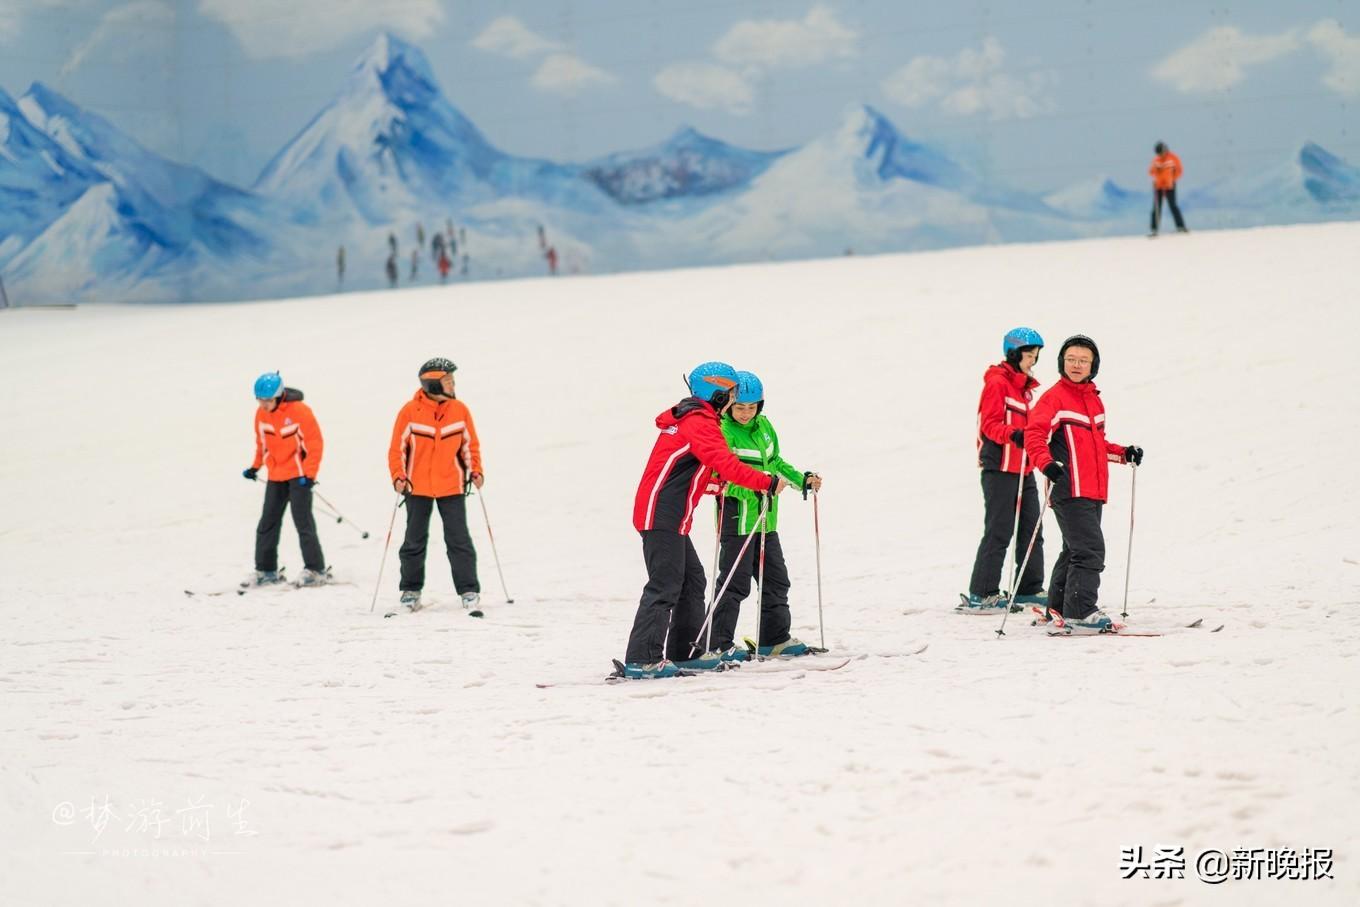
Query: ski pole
(489, 534)
(717, 548)
(1133, 492)
(817, 536)
(760, 587)
(401, 499)
(712, 608)
(339, 517)
(1038, 524)
(1015, 530)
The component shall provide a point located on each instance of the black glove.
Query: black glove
(1018, 438)
(1055, 472)
(250, 473)
(1134, 455)
(304, 482)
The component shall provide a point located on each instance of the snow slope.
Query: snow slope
(414, 760)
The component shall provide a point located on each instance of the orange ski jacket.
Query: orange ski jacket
(288, 441)
(1165, 170)
(434, 446)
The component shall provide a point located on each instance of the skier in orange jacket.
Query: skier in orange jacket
(288, 445)
(1165, 172)
(433, 457)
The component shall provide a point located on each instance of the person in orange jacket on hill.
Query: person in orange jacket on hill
(288, 445)
(433, 457)
(1165, 172)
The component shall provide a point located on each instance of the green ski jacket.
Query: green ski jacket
(757, 445)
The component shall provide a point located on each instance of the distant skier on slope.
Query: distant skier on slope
(1065, 439)
(392, 270)
(1003, 410)
(1165, 171)
(433, 457)
(751, 436)
(690, 445)
(288, 445)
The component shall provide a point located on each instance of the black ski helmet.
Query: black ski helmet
(1160, 148)
(433, 371)
(1085, 342)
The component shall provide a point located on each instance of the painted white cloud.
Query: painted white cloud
(510, 37)
(706, 86)
(1342, 53)
(974, 81)
(12, 13)
(1220, 57)
(568, 75)
(137, 30)
(297, 28)
(774, 43)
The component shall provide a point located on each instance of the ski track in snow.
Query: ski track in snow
(415, 757)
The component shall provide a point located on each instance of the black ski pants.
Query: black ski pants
(1075, 585)
(774, 593)
(457, 542)
(998, 500)
(278, 496)
(672, 600)
(1170, 196)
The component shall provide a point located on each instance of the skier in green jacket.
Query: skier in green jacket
(752, 438)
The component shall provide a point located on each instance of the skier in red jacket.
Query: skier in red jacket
(690, 447)
(1065, 439)
(1003, 410)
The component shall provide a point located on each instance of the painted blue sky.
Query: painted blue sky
(1067, 90)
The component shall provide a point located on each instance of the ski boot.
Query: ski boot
(734, 653)
(313, 578)
(708, 661)
(789, 648)
(995, 603)
(1093, 624)
(410, 599)
(1039, 598)
(264, 578)
(636, 671)
(470, 602)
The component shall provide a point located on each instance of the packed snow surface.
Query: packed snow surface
(291, 747)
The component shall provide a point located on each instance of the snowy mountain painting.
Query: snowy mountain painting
(88, 215)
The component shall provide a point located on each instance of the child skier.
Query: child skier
(288, 445)
(1003, 409)
(752, 438)
(671, 610)
(433, 456)
(1065, 439)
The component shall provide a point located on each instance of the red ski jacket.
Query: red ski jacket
(288, 440)
(1003, 407)
(1068, 425)
(691, 445)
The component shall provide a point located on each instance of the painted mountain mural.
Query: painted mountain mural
(87, 214)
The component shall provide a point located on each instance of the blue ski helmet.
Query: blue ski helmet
(268, 386)
(749, 388)
(713, 382)
(1017, 339)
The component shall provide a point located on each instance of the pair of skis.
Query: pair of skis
(1055, 627)
(795, 665)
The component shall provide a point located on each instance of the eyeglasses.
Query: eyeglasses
(1070, 361)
